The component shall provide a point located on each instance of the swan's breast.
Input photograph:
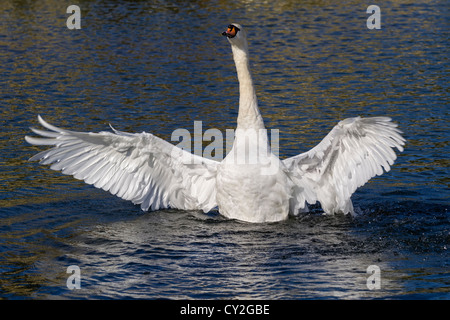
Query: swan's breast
(254, 192)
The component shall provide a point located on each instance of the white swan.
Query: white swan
(156, 174)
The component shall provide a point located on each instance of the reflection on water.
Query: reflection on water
(159, 66)
(172, 254)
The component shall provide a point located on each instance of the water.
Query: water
(160, 66)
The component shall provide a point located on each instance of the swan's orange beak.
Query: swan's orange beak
(231, 31)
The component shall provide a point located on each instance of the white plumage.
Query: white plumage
(141, 167)
(250, 184)
(356, 150)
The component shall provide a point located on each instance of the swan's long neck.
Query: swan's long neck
(249, 115)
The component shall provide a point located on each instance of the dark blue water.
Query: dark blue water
(160, 66)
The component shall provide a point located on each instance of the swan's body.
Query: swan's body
(250, 184)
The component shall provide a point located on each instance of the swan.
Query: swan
(156, 174)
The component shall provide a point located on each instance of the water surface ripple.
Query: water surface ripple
(160, 66)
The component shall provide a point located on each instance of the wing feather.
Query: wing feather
(355, 150)
(141, 167)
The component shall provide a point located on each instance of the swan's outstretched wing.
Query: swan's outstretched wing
(140, 167)
(355, 150)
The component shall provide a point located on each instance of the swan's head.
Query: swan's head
(236, 35)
